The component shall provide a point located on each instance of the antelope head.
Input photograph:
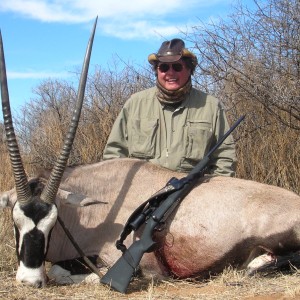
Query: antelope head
(35, 213)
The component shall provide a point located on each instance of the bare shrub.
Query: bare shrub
(251, 62)
(43, 123)
(270, 153)
(258, 52)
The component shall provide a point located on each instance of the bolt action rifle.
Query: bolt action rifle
(153, 212)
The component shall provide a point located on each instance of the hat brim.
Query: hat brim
(153, 58)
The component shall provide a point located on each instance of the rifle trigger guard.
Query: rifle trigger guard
(160, 227)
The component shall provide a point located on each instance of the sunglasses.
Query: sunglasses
(165, 67)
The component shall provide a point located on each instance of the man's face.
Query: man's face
(173, 76)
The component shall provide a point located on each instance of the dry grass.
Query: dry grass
(229, 285)
(269, 154)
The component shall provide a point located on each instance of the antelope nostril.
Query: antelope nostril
(37, 284)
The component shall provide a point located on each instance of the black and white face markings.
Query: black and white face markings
(33, 223)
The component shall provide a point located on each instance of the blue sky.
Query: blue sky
(47, 38)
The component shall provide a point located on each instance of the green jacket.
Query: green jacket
(177, 138)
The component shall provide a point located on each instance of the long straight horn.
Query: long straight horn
(49, 193)
(21, 181)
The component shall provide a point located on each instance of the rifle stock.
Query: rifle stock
(120, 274)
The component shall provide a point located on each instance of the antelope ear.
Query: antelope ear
(4, 200)
(75, 199)
(8, 199)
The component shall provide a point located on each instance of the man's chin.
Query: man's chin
(172, 87)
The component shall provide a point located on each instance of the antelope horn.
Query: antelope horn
(21, 181)
(49, 193)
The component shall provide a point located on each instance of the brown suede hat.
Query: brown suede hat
(171, 51)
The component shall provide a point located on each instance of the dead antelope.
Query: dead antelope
(222, 221)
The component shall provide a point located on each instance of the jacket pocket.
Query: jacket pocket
(199, 136)
(142, 138)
